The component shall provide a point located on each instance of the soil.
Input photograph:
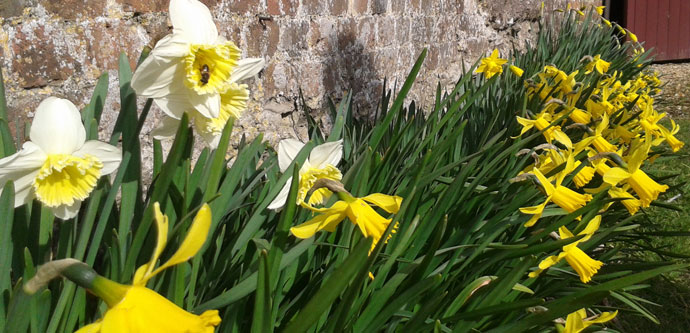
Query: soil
(675, 95)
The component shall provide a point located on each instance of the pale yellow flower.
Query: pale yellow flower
(58, 166)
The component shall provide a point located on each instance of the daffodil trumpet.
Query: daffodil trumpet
(135, 308)
(321, 164)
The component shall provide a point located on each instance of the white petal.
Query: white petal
(166, 128)
(280, 199)
(110, 156)
(327, 153)
(162, 73)
(29, 158)
(57, 127)
(174, 105)
(287, 151)
(21, 168)
(66, 212)
(23, 188)
(247, 68)
(208, 105)
(171, 46)
(193, 20)
(210, 138)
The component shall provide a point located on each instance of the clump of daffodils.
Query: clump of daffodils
(58, 167)
(600, 131)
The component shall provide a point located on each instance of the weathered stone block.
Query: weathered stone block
(72, 9)
(38, 60)
(282, 7)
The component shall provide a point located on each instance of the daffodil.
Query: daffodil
(645, 187)
(516, 70)
(597, 63)
(562, 196)
(550, 131)
(491, 65)
(357, 210)
(322, 163)
(232, 103)
(135, 308)
(193, 67)
(58, 166)
(577, 321)
(583, 264)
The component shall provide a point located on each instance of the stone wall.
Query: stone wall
(324, 47)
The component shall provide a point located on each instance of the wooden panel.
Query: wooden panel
(663, 25)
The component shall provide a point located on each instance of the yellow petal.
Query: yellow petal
(592, 226)
(389, 203)
(603, 317)
(326, 221)
(143, 273)
(575, 321)
(195, 239)
(616, 175)
(92, 328)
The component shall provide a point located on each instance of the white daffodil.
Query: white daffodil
(232, 102)
(322, 163)
(193, 67)
(58, 166)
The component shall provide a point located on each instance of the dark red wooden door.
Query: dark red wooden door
(661, 24)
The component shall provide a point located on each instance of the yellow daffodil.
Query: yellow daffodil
(562, 196)
(577, 321)
(322, 163)
(600, 9)
(58, 166)
(598, 140)
(599, 64)
(632, 36)
(135, 308)
(357, 210)
(139, 309)
(193, 67)
(631, 203)
(645, 187)
(516, 70)
(491, 65)
(542, 123)
(583, 264)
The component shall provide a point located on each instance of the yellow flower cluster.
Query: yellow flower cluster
(612, 129)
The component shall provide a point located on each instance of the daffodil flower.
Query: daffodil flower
(542, 123)
(598, 140)
(583, 264)
(357, 210)
(516, 70)
(58, 166)
(645, 187)
(491, 65)
(322, 163)
(136, 308)
(597, 63)
(562, 196)
(232, 103)
(577, 321)
(193, 67)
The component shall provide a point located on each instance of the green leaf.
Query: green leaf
(331, 289)
(262, 302)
